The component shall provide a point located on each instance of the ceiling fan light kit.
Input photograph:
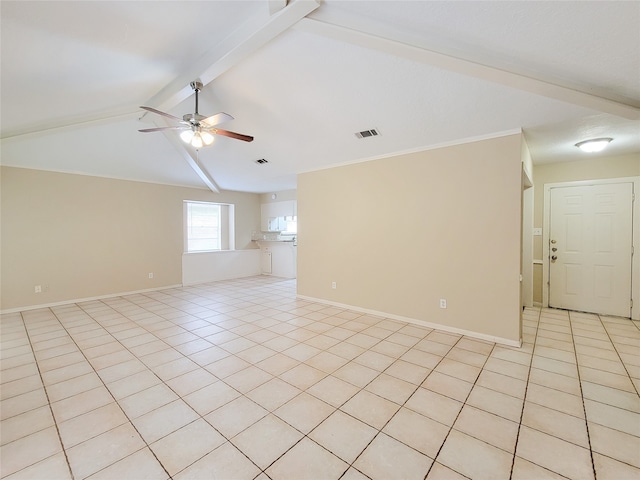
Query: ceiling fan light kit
(594, 145)
(197, 130)
(198, 138)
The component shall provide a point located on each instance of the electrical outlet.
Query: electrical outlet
(38, 288)
(151, 275)
(333, 285)
(443, 303)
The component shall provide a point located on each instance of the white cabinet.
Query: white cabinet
(266, 260)
(284, 264)
(270, 211)
(282, 209)
(279, 258)
(265, 211)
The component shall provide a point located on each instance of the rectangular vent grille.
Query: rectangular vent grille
(367, 133)
(261, 161)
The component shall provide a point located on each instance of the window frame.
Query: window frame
(225, 228)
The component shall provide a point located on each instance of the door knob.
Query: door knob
(554, 258)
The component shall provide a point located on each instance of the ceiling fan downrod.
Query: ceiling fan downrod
(195, 117)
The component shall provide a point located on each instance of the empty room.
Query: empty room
(319, 239)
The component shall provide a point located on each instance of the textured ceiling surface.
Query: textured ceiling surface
(303, 77)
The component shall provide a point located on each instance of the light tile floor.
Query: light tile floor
(241, 380)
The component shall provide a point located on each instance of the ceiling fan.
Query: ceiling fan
(197, 130)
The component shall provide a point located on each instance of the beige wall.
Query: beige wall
(81, 236)
(398, 234)
(592, 169)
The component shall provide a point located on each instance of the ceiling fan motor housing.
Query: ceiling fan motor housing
(193, 118)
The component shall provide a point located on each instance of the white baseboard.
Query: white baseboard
(422, 323)
(86, 299)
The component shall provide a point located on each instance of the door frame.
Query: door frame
(635, 259)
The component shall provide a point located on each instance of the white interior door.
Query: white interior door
(590, 248)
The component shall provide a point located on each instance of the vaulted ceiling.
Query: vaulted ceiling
(303, 77)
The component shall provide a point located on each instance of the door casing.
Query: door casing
(635, 266)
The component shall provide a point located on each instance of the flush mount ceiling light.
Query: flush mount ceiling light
(594, 145)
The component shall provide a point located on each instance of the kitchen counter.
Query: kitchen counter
(279, 257)
(275, 241)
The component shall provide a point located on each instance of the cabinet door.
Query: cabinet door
(283, 209)
(266, 262)
(271, 210)
(284, 261)
(264, 217)
(278, 209)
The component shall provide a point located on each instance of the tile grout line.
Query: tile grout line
(180, 396)
(351, 465)
(107, 389)
(239, 301)
(163, 382)
(134, 322)
(573, 336)
(464, 403)
(71, 337)
(584, 408)
(617, 353)
(219, 379)
(524, 398)
(373, 393)
(53, 417)
(263, 470)
(306, 435)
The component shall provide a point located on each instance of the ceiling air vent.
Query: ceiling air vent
(367, 133)
(261, 161)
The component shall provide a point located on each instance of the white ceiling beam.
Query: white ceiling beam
(191, 157)
(468, 68)
(251, 36)
(79, 122)
(276, 5)
(248, 38)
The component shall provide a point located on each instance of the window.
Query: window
(208, 227)
(203, 226)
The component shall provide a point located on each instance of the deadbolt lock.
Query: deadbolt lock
(554, 249)
(553, 241)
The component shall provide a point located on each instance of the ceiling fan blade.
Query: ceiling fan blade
(237, 136)
(217, 119)
(153, 110)
(158, 129)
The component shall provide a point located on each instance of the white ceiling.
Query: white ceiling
(303, 78)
